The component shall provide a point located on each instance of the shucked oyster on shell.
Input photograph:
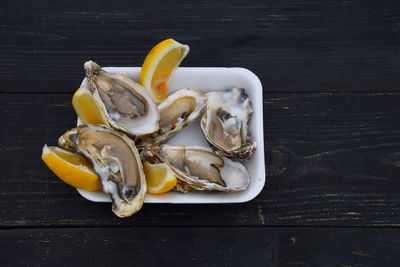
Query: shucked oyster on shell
(225, 120)
(201, 168)
(177, 111)
(115, 160)
(127, 106)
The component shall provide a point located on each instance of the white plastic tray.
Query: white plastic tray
(208, 79)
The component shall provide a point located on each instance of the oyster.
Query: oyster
(177, 111)
(202, 169)
(126, 105)
(115, 160)
(224, 123)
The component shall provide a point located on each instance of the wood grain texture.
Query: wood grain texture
(331, 160)
(200, 246)
(313, 46)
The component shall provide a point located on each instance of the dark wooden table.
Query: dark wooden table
(331, 77)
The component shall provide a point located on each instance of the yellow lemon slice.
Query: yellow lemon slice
(86, 108)
(159, 178)
(72, 168)
(159, 66)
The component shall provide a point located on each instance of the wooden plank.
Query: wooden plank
(313, 46)
(200, 246)
(331, 160)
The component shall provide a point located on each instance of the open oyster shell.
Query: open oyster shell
(127, 106)
(224, 123)
(115, 160)
(177, 111)
(202, 169)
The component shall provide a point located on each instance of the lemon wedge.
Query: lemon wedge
(159, 178)
(72, 168)
(86, 108)
(159, 67)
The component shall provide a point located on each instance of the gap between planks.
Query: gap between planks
(28, 227)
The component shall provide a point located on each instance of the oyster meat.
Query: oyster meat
(177, 111)
(225, 120)
(115, 160)
(127, 106)
(202, 169)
